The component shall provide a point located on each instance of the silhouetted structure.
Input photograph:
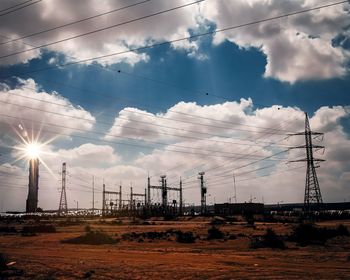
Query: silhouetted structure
(164, 208)
(227, 209)
(203, 193)
(111, 200)
(313, 197)
(63, 208)
(33, 186)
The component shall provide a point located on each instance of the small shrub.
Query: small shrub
(269, 240)
(249, 217)
(215, 233)
(117, 222)
(7, 229)
(342, 230)
(232, 236)
(3, 262)
(91, 238)
(38, 229)
(88, 274)
(87, 228)
(307, 234)
(185, 237)
(217, 221)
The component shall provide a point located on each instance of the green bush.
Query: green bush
(38, 229)
(269, 240)
(307, 234)
(185, 237)
(91, 238)
(215, 233)
(3, 262)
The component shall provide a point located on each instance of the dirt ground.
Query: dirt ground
(44, 256)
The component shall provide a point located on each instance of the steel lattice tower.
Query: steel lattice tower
(312, 195)
(63, 208)
(203, 193)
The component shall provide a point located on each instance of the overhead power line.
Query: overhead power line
(253, 142)
(227, 163)
(130, 144)
(88, 91)
(173, 85)
(102, 29)
(14, 6)
(74, 22)
(248, 179)
(19, 8)
(176, 40)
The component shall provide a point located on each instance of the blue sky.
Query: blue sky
(300, 64)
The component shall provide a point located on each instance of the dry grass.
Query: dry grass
(45, 257)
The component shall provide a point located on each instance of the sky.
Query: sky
(120, 90)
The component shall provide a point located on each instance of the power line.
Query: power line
(74, 22)
(274, 131)
(173, 85)
(102, 29)
(221, 165)
(131, 144)
(177, 40)
(102, 123)
(182, 113)
(19, 8)
(19, 4)
(157, 125)
(253, 178)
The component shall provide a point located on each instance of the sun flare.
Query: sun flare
(33, 150)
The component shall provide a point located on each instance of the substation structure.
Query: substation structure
(164, 208)
(114, 204)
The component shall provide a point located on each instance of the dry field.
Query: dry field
(44, 256)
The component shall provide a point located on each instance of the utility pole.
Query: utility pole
(164, 192)
(63, 208)
(148, 191)
(131, 200)
(203, 192)
(77, 204)
(234, 186)
(103, 199)
(145, 197)
(93, 194)
(180, 204)
(312, 196)
(120, 196)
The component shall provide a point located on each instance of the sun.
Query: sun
(33, 150)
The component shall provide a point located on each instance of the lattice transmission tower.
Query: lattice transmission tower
(312, 197)
(63, 208)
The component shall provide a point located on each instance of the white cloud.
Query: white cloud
(297, 48)
(32, 109)
(282, 183)
(48, 14)
(89, 155)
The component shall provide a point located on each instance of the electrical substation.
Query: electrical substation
(154, 200)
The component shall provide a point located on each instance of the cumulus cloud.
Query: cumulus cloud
(88, 155)
(240, 148)
(300, 47)
(29, 110)
(297, 48)
(47, 14)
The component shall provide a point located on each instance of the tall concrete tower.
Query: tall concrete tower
(33, 186)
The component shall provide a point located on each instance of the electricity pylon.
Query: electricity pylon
(312, 197)
(63, 208)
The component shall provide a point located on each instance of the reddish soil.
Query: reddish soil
(45, 257)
